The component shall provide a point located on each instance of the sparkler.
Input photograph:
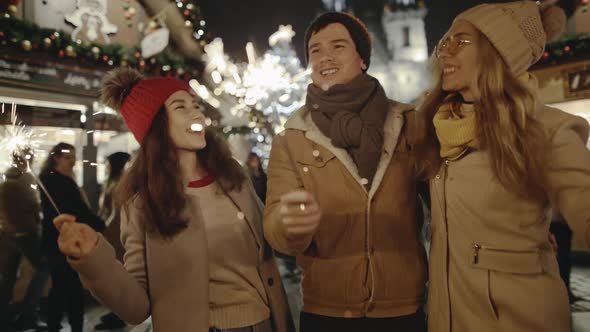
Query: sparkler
(17, 139)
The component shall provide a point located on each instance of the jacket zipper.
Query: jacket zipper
(368, 255)
(444, 190)
(479, 247)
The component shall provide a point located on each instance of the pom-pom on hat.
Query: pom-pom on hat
(138, 99)
(518, 30)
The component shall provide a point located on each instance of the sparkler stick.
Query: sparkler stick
(30, 170)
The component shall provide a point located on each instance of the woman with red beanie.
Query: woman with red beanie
(191, 224)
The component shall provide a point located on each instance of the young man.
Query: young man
(342, 191)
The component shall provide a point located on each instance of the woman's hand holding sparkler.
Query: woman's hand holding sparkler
(76, 240)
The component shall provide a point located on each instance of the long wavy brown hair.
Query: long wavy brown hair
(508, 131)
(153, 176)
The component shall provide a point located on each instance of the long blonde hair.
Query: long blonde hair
(508, 131)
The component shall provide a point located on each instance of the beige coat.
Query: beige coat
(169, 278)
(491, 265)
(366, 258)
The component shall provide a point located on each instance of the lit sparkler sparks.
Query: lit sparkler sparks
(17, 139)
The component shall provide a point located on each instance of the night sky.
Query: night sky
(238, 22)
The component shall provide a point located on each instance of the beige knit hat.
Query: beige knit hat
(518, 30)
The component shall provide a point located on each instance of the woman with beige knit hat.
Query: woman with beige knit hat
(497, 159)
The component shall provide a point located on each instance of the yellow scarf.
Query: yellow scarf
(456, 129)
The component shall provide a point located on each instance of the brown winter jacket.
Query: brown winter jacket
(366, 258)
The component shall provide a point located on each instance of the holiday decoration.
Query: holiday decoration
(155, 42)
(26, 45)
(59, 45)
(91, 21)
(95, 51)
(12, 9)
(567, 49)
(130, 12)
(70, 51)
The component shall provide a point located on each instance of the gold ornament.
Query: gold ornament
(47, 42)
(95, 52)
(26, 45)
(70, 51)
(12, 9)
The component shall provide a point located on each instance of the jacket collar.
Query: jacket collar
(301, 120)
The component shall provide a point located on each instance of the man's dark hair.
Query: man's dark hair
(357, 29)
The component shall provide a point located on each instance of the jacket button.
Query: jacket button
(270, 281)
(437, 177)
(305, 169)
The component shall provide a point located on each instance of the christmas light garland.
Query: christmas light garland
(19, 36)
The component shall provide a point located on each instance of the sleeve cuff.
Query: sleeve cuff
(93, 265)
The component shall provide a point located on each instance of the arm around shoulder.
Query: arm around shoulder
(569, 172)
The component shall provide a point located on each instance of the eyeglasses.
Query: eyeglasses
(451, 45)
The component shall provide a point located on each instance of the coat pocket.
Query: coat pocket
(490, 299)
(526, 261)
(497, 260)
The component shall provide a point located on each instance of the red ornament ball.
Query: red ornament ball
(545, 55)
(61, 53)
(567, 49)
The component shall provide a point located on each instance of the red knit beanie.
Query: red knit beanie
(138, 99)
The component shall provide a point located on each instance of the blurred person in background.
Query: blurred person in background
(110, 212)
(66, 293)
(20, 221)
(257, 175)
